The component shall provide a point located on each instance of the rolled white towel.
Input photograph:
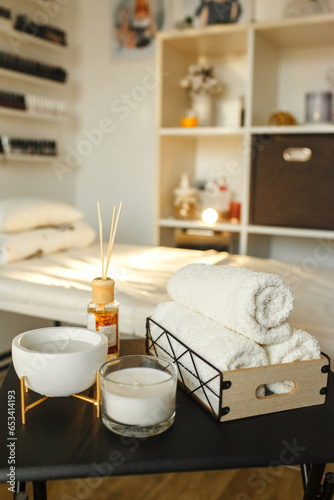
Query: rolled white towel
(301, 346)
(253, 304)
(218, 345)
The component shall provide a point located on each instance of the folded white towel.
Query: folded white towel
(253, 304)
(44, 241)
(218, 345)
(301, 346)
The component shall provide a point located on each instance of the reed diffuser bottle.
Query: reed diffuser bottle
(103, 313)
(103, 310)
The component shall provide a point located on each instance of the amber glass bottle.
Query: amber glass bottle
(103, 313)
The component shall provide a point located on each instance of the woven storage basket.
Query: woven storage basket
(292, 181)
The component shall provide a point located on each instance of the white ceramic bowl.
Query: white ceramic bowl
(59, 361)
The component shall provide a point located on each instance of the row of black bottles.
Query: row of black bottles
(44, 31)
(32, 67)
(14, 146)
(6, 13)
(11, 100)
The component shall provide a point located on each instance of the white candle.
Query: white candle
(139, 396)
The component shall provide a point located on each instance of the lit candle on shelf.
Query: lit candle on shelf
(138, 400)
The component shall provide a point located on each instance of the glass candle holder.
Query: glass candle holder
(138, 395)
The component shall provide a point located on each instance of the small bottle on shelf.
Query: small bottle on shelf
(103, 313)
(185, 199)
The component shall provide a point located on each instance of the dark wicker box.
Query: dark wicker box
(292, 181)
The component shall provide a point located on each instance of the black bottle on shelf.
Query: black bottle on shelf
(32, 67)
(6, 13)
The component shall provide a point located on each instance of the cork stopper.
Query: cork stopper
(103, 290)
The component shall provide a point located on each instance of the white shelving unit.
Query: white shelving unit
(272, 65)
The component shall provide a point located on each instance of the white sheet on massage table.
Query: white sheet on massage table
(58, 287)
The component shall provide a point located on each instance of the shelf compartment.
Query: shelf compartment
(301, 32)
(208, 41)
(223, 47)
(201, 158)
(284, 54)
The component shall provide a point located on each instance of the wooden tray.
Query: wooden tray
(231, 395)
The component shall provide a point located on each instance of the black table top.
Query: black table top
(63, 438)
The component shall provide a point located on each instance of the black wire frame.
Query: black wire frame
(151, 348)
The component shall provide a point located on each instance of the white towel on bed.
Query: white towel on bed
(301, 346)
(253, 304)
(44, 241)
(218, 345)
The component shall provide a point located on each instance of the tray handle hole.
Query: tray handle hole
(275, 389)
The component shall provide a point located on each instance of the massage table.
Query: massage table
(58, 287)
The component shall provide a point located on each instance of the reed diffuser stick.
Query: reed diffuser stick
(113, 230)
(101, 238)
(113, 233)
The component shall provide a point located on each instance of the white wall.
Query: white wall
(119, 94)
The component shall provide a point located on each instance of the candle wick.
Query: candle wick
(136, 381)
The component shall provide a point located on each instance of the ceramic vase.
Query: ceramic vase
(202, 106)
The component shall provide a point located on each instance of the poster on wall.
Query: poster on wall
(135, 24)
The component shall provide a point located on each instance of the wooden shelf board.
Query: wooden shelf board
(10, 32)
(27, 158)
(197, 224)
(201, 131)
(17, 75)
(325, 128)
(289, 231)
(210, 40)
(16, 113)
(302, 32)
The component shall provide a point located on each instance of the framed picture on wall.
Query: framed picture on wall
(134, 26)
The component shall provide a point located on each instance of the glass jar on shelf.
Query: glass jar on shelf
(185, 200)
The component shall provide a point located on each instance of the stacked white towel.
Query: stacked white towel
(253, 304)
(222, 347)
(301, 346)
(234, 318)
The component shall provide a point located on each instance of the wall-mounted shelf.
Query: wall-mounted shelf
(16, 113)
(27, 158)
(9, 31)
(35, 80)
